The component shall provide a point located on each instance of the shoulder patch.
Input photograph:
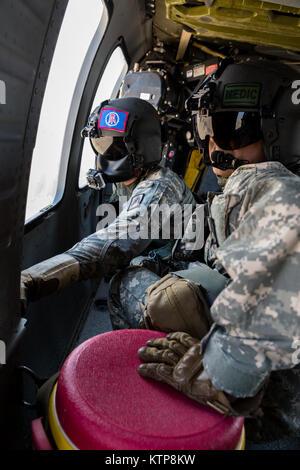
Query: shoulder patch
(135, 201)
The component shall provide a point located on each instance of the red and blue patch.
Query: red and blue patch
(113, 119)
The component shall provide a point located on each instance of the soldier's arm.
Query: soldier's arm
(257, 316)
(101, 253)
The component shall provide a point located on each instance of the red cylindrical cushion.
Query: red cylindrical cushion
(103, 403)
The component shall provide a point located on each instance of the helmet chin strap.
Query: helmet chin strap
(225, 161)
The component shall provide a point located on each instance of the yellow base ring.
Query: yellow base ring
(61, 440)
(242, 443)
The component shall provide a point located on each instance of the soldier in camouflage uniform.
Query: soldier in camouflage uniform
(126, 137)
(254, 241)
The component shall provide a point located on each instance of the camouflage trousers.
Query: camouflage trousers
(127, 292)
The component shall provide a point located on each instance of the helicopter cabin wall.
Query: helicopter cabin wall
(30, 31)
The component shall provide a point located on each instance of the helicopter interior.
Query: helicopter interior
(158, 50)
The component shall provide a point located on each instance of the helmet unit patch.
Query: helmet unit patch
(113, 119)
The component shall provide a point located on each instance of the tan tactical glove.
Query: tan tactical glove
(47, 277)
(176, 360)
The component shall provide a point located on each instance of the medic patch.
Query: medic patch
(113, 119)
(243, 94)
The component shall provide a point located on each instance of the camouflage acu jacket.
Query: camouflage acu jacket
(111, 248)
(256, 240)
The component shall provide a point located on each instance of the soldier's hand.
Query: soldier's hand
(48, 277)
(176, 361)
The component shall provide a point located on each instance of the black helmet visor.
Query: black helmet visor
(115, 171)
(230, 129)
(113, 148)
(113, 160)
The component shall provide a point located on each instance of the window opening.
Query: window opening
(79, 38)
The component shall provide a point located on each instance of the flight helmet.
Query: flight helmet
(242, 103)
(125, 135)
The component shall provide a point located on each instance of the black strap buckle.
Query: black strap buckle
(95, 180)
(38, 382)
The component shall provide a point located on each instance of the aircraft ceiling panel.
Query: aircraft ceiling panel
(250, 21)
(164, 28)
